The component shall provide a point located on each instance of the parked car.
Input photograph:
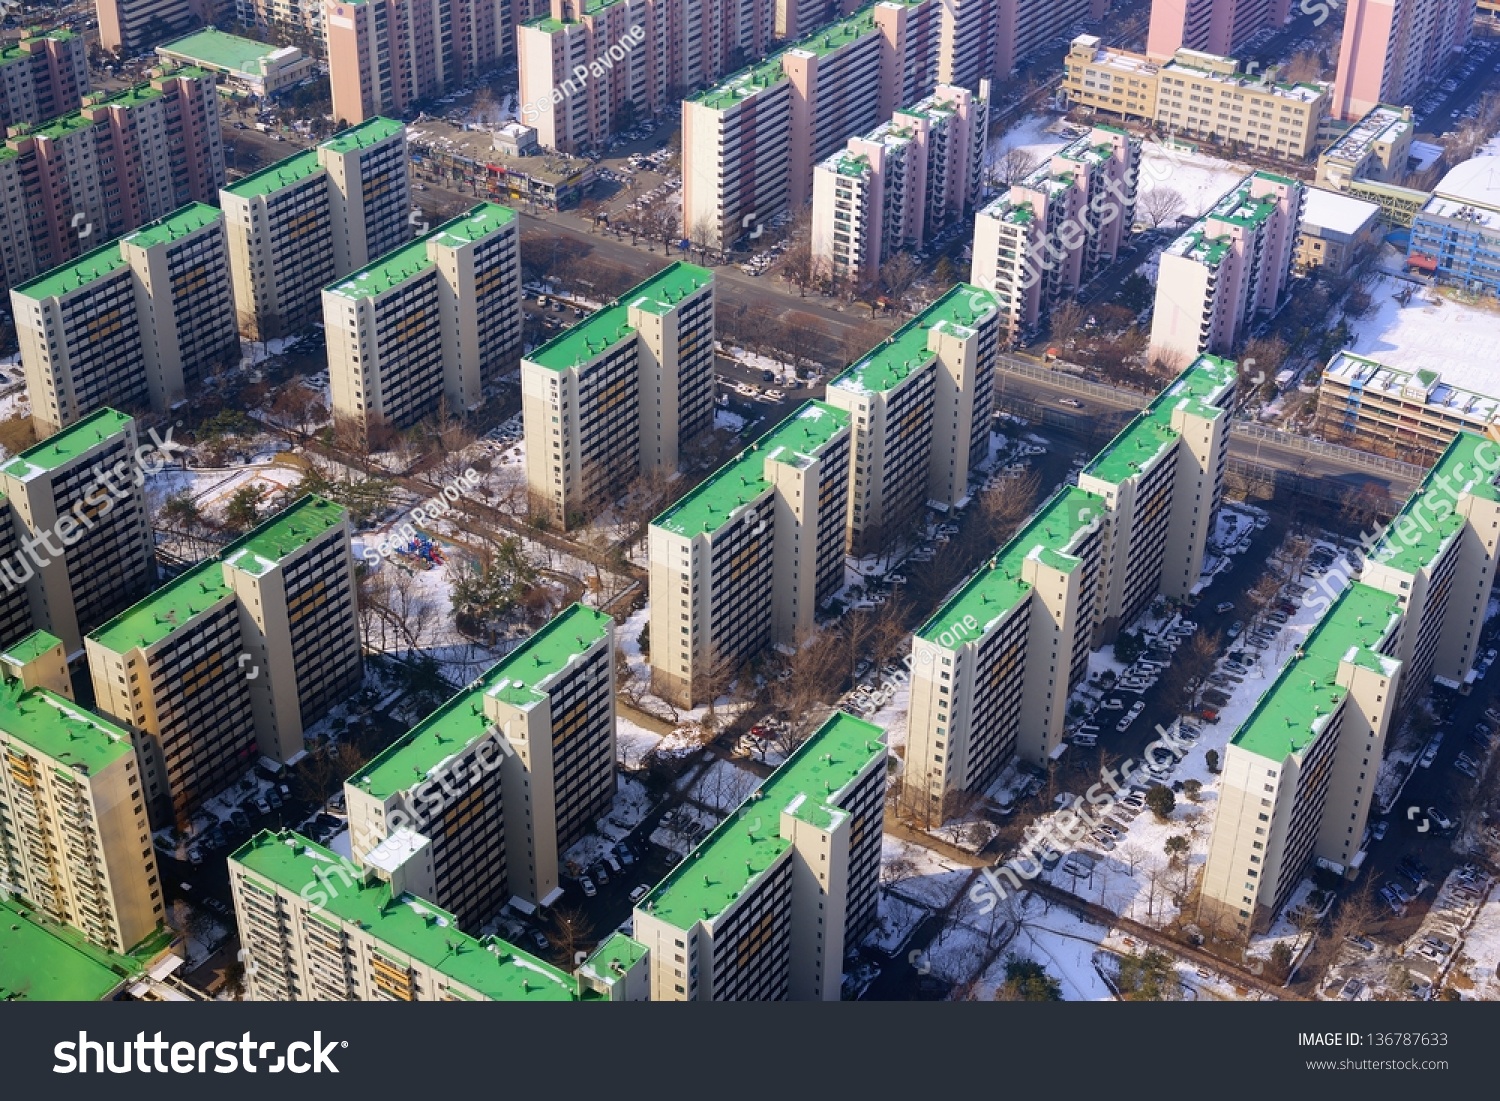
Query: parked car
(1224, 606)
(589, 890)
(1440, 819)
(638, 893)
(1234, 629)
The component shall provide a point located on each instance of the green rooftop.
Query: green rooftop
(518, 679)
(998, 586)
(1296, 707)
(174, 605)
(617, 955)
(58, 450)
(1430, 518)
(30, 648)
(890, 363)
(173, 227)
(747, 843)
(61, 127)
(1149, 434)
(60, 729)
(222, 51)
(387, 273)
(43, 962)
(407, 926)
(364, 135)
(795, 440)
(183, 599)
(12, 51)
(604, 329)
(88, 268)
(274, 177)
(472, 225)
(742, 85)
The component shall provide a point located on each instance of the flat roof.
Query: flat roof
(80, 272)
(1149, 434)
(748, 842)
(998, 586)
(1429, 519)
(1380, 123)
(518, 679)
(175, 226)
(386, 273)
(29, 648)
(605, 328)
(617, 951)
(1337, 212)
(478, 222)
(407, 925)
(364, 135)
(1295, 709)
(891, 362)
(796, 440)
(60, 729)
(188, 596)
(1476, 182)
(274, 177)
(43, 962)
(58, 450)
(1440, 390)
(223, 51)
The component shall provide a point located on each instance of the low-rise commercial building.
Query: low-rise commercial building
(765, 908)
(1376, 148)
(919, 412)
(618, 394)
(744, 560)
(1232, 267)
(496, 170)
(436, 321)
(175, 668)
(241, 64)
(139, 322)
(475, 806)
(41, 961)
(1456, 235)
(1335, 228)
(1362, 399)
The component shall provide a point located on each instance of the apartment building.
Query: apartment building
(434, 323)
(488, 792)
(1392, 49)
(300, 21)
(122, 160)
(139, 322)
(1229, 269)
(992, 669)
(73, 835)
(766, 906)
(132, 27)
(1214, 26)
(174, 668)
(1299, 773)
(315, 928)
(1058, 227)
(919, 410)
(1421, 411)
(1376, 148)
(1455, 236)
(899, 185)
(42, 75)
(620, 393)
(743, 561)
(589, 70)
(76, 530)
(1024, 28)
(1437, 558)
(751, 142)
(298, 224)
(1304, 764)
(384, 56)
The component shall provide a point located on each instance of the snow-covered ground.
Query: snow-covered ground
(1037, 135)
(920, 875)
(1201, 180)
(1431, 332)
(631, 805)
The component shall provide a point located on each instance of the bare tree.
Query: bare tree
(1160, 205)
(898, 274)
(1067, 321)
(1012, 165)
